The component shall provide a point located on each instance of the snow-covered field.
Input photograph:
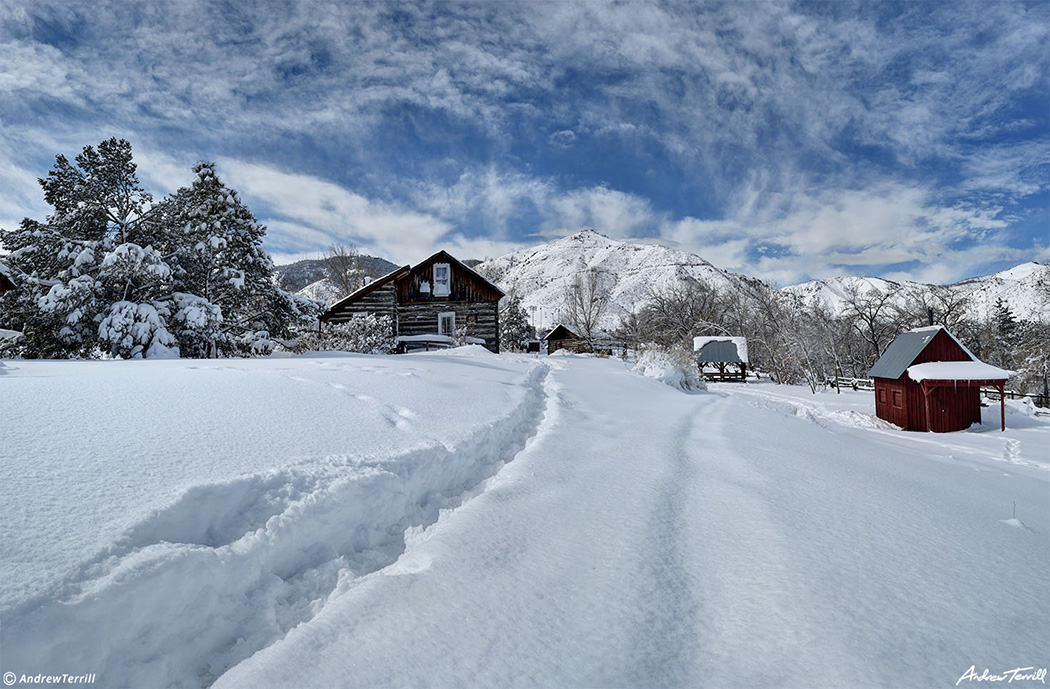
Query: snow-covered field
(466, 519)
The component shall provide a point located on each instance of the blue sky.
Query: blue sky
(783, 140)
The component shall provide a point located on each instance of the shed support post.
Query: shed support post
(926, 405)
(1002, 406)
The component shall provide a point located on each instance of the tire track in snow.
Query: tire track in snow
(757, 608)
(668, 633)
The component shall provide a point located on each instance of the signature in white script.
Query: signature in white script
(1018, 673)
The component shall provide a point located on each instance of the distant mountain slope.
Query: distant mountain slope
(542, 274)
(1024, 288)
(295, 276)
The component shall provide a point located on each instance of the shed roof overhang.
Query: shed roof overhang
(955, 372)
(959, 374)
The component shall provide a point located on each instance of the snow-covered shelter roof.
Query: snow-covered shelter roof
(720, 349)
(902, 352)
(956, 371)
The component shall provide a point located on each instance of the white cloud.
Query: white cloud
(307, 210)
(615, 213)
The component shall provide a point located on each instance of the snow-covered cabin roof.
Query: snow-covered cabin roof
(720, 349)
(561, 332)
(956, 371)
(902, 352)
(370, 287)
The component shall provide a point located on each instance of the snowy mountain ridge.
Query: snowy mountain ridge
(1024, 288)
(542, 274)
(632, 269)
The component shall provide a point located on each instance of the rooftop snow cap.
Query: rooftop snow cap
(957, 371)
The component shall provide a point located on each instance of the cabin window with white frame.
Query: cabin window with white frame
(442, 280)
(447, 323)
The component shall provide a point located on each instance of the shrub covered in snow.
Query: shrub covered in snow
(137, 331)
(368, 334)
(672, 366)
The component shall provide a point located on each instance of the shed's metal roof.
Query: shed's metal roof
(903, 351)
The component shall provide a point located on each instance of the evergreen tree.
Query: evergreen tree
(1006, 332)
(110, 273)
(86, 256)
(514, 328)
(219, 258)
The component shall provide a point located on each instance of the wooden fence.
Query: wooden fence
(1038, 399)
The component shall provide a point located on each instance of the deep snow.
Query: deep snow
(356, 525)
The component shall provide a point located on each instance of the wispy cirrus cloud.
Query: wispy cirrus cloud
(827, 136)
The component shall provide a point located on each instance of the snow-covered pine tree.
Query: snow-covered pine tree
(91, 252)
(109, 272)
(218, 258)
(1006, 334)
(514, 328)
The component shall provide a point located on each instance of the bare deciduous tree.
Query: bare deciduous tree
(672, 316)
(586, 301)
(874, 318)
(342, 267)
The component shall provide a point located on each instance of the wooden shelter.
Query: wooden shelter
(928, 381)
(428, 304)
(721, 357)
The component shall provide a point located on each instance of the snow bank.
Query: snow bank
(674, 369)
(645, 538)
(350, 454)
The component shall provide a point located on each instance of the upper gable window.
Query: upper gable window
(442, 279)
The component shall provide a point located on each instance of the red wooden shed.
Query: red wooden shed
(928, 381)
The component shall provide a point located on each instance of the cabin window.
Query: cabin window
(897, 399)
(424, 287)
(447, 323)
(441, 279)
(882, 395)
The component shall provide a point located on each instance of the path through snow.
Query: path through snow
(578, 527)
(646, 537)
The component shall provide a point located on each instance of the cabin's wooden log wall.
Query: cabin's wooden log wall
(382, 301)
(481, 319)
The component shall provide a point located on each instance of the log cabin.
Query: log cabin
(429, 304)
(926, 380)
(560, 337)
